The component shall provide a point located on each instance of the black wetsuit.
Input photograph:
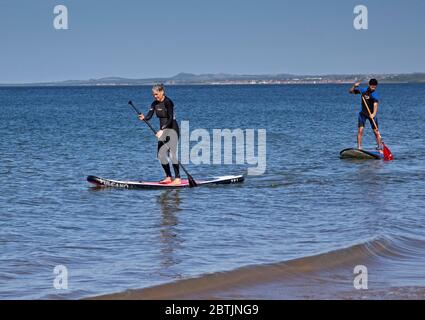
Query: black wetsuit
(165, 112)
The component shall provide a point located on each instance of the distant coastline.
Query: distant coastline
(230, 79)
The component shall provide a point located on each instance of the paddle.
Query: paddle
(387, 152)
(192, 182)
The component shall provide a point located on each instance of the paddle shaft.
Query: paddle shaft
(192, 182)
(147, 122)
(370, 115)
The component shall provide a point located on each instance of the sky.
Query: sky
(143, 39)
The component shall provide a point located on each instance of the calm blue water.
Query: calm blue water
(308, 201)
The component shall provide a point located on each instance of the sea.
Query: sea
(62, 238)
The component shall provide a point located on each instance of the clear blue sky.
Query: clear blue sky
(141, 39)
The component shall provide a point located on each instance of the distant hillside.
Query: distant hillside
(222, 78)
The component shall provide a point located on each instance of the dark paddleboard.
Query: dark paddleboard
(352, 153)
(101, 182)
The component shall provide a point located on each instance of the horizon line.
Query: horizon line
(209, 74)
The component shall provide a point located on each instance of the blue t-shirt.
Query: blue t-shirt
(370, 98)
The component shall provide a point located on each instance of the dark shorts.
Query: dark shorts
(363, 118)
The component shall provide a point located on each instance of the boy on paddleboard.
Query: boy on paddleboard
(369, 96)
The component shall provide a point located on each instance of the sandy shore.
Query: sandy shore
(326, 276)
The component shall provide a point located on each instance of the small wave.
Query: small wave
(300, 278)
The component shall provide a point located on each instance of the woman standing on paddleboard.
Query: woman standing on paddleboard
(168, 134)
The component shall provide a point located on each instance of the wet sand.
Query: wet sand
(325, 276)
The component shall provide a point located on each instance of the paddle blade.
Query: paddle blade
(192, 182)
(387, 153)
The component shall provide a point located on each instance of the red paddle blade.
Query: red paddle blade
(387, 153)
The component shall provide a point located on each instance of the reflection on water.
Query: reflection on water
(169, 203)
(368, 180)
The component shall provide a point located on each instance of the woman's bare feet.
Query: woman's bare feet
(176, 181)
(166, 180)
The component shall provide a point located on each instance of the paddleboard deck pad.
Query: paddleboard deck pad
(353, 153)
(101, 182)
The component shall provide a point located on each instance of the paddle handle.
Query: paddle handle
(139, 113)
(134, 108)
